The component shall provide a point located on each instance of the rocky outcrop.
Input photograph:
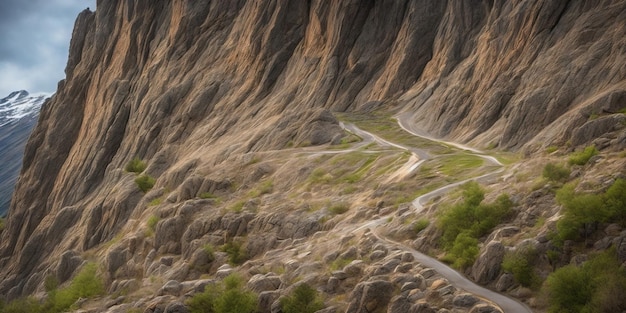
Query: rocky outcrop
(193, 87)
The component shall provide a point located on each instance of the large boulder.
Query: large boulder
(487, 265)
(370, 297)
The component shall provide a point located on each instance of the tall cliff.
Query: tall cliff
(188, 85)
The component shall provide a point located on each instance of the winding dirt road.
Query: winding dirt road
(507, 304)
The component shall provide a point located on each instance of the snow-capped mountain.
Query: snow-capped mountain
(18, 115)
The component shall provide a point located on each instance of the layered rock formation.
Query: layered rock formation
(190, 86)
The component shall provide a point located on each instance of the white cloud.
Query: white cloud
(36, 37)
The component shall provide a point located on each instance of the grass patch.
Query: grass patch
(263, 188)
(2, 225)
(237, 207)
(207, 195)
(385, 126)
(357, 175)
(136, 165)
(582, 157)
(145, 182)
(452, 164)
(155, 201)
(153, 220)
(339, 208)
(556, 173)
(551, 149)
(420, 225)
(339, 263)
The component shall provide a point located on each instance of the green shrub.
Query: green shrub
(155, 201)
(463, 252)
(303, 299)
(238, 206)
(1, 224)
(227, 297)
(520, 263)
(86, 284)
(203, 302)
(136, 165)
(471, 215)
(236, 252)
(145, 182)
(209, 250)
(152, 222)
(596, 286)
(583, 211)
(463, 223)
(339, 208)
(556, 173)
(420, 225)
(582, 157)
(207, 195)
(51, 283)
(551, 149)
(615, 201)
(23, 305)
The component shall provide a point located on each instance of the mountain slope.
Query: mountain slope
(193, 87)
(18, 116)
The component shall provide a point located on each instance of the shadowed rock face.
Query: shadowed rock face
(187, 85)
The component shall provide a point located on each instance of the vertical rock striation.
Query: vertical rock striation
(187, 85)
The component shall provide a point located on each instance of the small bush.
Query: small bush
(1, 224)
(582, 157)
(135, 165)
(520, 263)
(596, 286)
(155, 201)
(303, 299)
(463, 223)
(339, 208)
(463, 252)
(86, 284)
(615, 201)
(236, 252)
(152, 222)
(145, 182)
(582, 212)
(227, 297)
(210, 252)
(420, 225)
(556, 173)
(238, 206)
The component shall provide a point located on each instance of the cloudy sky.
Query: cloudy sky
(34, 42)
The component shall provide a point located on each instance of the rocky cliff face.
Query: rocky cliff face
(190, 86)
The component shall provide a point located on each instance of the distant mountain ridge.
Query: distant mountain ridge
(18, 115)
